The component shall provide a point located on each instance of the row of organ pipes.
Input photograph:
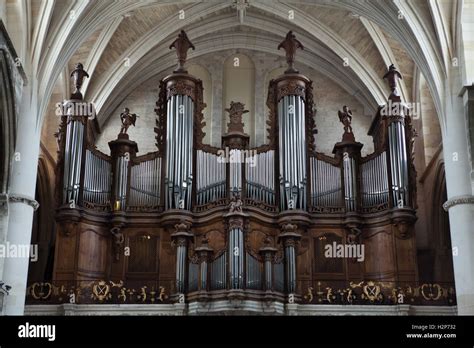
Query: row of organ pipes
(186, 174)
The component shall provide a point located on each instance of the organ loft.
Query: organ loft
(232, 227)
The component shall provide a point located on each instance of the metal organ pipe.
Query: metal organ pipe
(260, 178)
(398, 163)
(374, 181)
(73, 160)
(292, 150)
(326, 184)
(97, 175)
(179, 152)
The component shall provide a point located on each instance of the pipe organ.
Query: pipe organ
(374, 184)
(179, 150)
(145, 179)
(210, 178)
(215, 222)
(75, 134)
(325, 194)
(260, 178)
(292, 142)
(97, 178)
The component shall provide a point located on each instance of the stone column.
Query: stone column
(460, 204)
(21, 203)
(12, 80)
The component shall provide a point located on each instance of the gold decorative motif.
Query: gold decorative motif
(101, 291)
(309, 295)
(372, 291)
(41, 291)
(387, 293)
(162, 296)
(428, 294)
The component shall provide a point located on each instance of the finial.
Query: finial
(392, 77)
(290, 44)
(182, 44)
(78, 75)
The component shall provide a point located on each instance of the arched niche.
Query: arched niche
(204, 75)
(239, 86)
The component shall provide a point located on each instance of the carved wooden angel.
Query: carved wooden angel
(235, 204)
(182, 44)
(345, 116)
(290, 44)
(392, 77)
(78, 75)
(127, 119)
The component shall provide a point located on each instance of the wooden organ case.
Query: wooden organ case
(195, 223)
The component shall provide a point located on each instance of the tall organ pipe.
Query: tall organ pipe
(73, 155)
(398, 162)
(292, 152)
(179, 152)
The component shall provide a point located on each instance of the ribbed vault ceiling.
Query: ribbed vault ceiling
(104, 33)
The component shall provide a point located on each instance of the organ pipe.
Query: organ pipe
(397, 115)
(268, 253)
(74, 144)
(291, 102)
(236, 258)
(179, 152)
(72, 140)
(123, 152)
(398, 162)
(292, 152)
(180, 238)
(289, 236)
(97, 179)
(204, 252)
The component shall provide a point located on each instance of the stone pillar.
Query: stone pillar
(12, 79)
(460, 204)
(21, 203)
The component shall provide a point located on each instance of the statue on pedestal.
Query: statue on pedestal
(290, 45)
(182, 44)
(78, 75)
(345, 116)
(127, 119)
